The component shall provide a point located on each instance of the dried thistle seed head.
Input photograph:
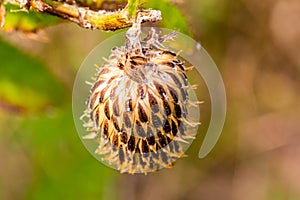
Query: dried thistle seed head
(138, 106)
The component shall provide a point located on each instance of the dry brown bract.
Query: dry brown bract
(138, 106)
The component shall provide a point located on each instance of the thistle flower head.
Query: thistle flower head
(138, 106)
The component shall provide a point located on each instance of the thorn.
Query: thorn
(200, 102)
(189, 68)
(170, 36)
(89, 83)
(189, 137)
(180, 140)
(191, 87)
(82, 116)
(89, 124)
(194, 103)
(184, 155)
(178, 53)
(90, 136)
(97, 66)
(193, 124)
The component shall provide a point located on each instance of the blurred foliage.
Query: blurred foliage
(25, 82)
(173, 18)
(132, 7)
(44, 132)
(60, 162)
(30, 21)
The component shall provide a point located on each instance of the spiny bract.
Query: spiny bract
(138, 106)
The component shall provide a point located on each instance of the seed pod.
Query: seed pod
(138, 107)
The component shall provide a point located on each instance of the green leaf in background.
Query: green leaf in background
(132, 6)
(26, 21)
(26, 83)
(172, 17)
(59, 166)
(108, 5)
(63, 168)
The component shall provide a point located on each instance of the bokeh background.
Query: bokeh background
(256, 45)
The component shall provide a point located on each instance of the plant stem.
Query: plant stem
(90, 19)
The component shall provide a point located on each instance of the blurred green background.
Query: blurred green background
(256, 45)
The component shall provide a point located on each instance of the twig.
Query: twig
(90, 19)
